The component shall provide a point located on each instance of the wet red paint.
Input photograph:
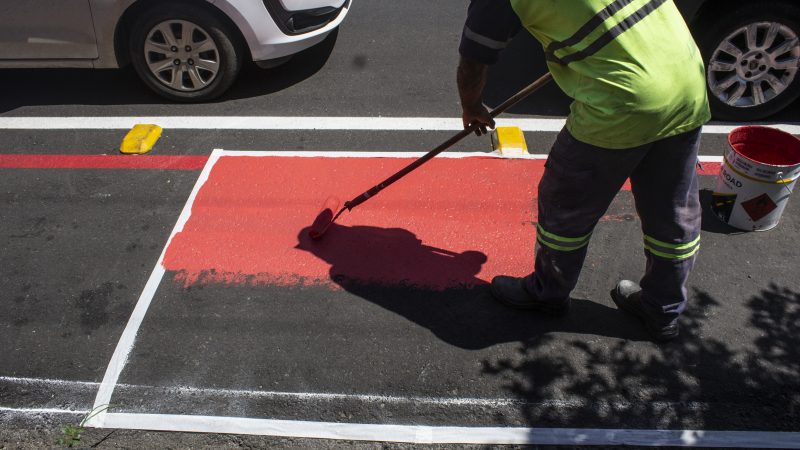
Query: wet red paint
(325, 218)
(709, 168)
(250, 222)
(166, 162)
(766, 145)
(454, 222)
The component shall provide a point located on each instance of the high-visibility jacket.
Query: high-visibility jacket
(631, 66)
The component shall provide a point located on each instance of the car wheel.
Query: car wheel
(184, 53)
(751, 58)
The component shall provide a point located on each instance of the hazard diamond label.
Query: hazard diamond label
(758, 208)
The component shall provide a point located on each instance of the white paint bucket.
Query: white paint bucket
(760, 169)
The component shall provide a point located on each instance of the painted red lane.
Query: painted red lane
(179, 162)
(103, 162)
(457, 222)
(709, 168)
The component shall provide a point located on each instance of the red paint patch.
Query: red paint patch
(102, 162)
(457, 221)
(709, 168)
(766, 145)
(454, 222)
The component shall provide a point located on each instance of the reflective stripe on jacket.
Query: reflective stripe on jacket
(631, 66)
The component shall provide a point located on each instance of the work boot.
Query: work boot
(511, 291)
(628, 297)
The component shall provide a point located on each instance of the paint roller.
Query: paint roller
(326, 217)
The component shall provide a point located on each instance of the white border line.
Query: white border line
(363, 398)
(368, 154)
(36, 411)
(377, 432)
(126, 341)
(308, 123)
(46, 381)
(451, 435)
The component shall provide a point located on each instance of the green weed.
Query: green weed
(72, 433)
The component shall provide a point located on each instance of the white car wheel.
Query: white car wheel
(184, 52)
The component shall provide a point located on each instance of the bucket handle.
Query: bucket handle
(784, 183)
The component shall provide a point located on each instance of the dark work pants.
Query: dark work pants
(579, 183)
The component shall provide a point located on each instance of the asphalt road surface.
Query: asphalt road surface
(361, 336)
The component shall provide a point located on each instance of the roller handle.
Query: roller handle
(516, 98)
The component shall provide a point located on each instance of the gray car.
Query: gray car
(185, 50)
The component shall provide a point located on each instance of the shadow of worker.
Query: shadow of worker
(438, 289)
(391, 257)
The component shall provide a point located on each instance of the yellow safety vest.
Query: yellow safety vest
(631, 66)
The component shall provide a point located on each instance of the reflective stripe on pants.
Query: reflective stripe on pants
(578, 185)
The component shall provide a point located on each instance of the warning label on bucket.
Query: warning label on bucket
(759, 207)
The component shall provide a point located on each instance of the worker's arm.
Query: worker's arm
(489, 27)
(471, 79)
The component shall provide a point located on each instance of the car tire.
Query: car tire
(194, 68)
(755, 79)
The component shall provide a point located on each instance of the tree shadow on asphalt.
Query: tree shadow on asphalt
(438, 289)
(698, 382)
(702, 381)
(42, 87)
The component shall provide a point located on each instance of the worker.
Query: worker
(637, 82)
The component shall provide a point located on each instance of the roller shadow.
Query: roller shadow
(439, 289)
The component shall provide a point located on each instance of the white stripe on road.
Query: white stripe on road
(125, 344)
(309, 396)
(420, 434)
(48, 381)
(431, 434)
(364, 398)
(38, 411)
(367, 154)
(305, 123)
(249, 123)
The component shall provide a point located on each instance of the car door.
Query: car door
(46, 29)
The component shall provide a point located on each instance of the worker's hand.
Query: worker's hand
(477, 114)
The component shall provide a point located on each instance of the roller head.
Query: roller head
(325, 218)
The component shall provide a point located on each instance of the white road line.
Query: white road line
(420, 434)
(307, 123)
(48, 381)
(37, 411)
(406, 433)
(245, 393)
(365, 398)
(367, 154)
(370, 154)
(126, 341)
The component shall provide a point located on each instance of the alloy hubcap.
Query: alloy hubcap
(754, 64)
(182, 55)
